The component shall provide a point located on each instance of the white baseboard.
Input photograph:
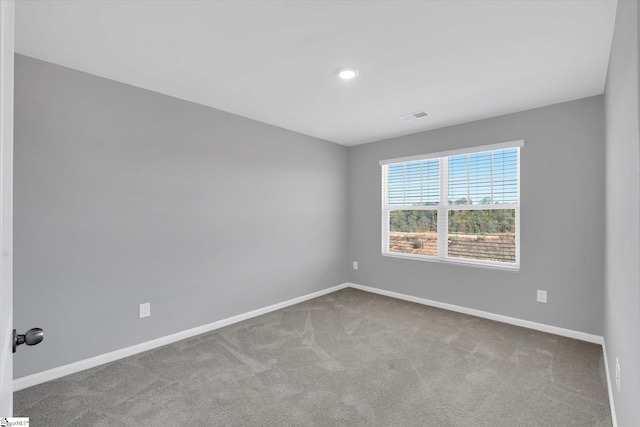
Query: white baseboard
(614, 420)
(72, 368)
(51, 374)
(596, 339)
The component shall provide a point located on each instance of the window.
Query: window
(458, 206)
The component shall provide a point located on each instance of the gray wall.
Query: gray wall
(124, 196)
(622, 289)
(562, 218)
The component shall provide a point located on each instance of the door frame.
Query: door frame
(6, 206)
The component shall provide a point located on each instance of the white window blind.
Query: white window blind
(461, 206)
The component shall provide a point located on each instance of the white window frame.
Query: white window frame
(443, 207)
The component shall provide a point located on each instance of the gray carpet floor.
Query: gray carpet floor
(350, 358)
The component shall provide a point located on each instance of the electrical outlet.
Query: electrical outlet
(145, 310)
(542, 296)
(618, 374)
(355, 265)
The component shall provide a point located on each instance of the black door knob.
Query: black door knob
(32, 337)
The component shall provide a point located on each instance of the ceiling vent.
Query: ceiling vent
(412, 116)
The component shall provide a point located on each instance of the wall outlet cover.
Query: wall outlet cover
(144, 310)
(542, 296)
(355, 265)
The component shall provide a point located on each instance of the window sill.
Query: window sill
(503, 267)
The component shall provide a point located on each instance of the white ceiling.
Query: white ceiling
(274, 61)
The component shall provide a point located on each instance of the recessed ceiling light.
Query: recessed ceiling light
(347, 73)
